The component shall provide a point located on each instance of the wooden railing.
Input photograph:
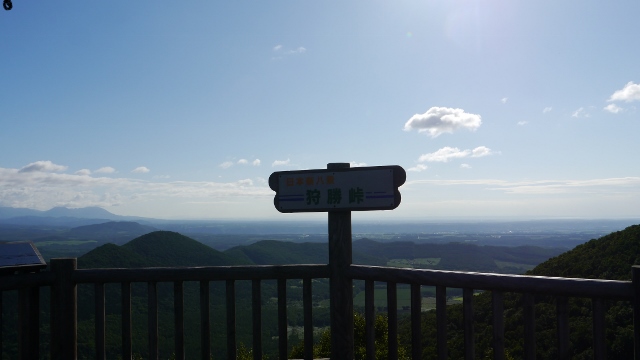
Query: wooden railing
(63, 278)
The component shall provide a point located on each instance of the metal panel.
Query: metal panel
(20, 254)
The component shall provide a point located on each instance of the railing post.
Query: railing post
(340, 258)
(635, 276)
(64, 334)
(29, 323)
(529, 326)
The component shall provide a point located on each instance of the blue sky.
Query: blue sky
(496, 109)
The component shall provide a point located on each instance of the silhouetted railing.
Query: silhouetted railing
(64, 277)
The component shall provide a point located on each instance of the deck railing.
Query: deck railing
(63, 278)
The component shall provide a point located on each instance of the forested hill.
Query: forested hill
(157, 249)
(609, 257)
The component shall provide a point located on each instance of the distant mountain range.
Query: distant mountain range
(510, 230)
(83, 213)
(60, 216)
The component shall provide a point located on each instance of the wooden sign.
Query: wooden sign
(345, 189)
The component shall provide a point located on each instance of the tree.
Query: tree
(323, 347)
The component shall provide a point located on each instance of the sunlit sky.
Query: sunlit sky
(165, 109)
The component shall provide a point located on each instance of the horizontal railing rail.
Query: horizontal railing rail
(209, 273)
(557, 286)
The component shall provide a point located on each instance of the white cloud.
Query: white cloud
(281, 53)
(140, 170)
(444, 155)
(630, 92)
(465, 166)
(580, 113)
(448, 153)
(439, 120)
(418, 168)
(613, 108)
(522, 122)
(299, 50)
(281, 163)
(592, 186)
(105, 170)
(83, 172)
(226, 164)
(43, 166)
(547, 109)
(44, 190)
(256, 162)
(481, 151)
(243, 161)
(357, 164)
(504, 100)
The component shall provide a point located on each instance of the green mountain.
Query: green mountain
(112, 256)
(156, 249)
(609, 257)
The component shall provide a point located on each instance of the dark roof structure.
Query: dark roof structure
(20, 255)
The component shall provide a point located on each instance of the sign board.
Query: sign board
(343, 189)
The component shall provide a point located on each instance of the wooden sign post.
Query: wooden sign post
(339, 190)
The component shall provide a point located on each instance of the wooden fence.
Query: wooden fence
(63, 278)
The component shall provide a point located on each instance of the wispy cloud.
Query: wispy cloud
(448, 153)
(298, 50)
(280, 51)
(547, 109)
(418, 168)
(83, 172)
(580, 113)
(504, 100)
(281, 163)
(606, 185)
(357, 164)
(226, 164)
(613, 108)
(43, 166)
(256, 162)
(630, 92)
(243, 162)
(465, 166)
(522, 122)
(439, 120)
(105, 170)
(140, 170)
